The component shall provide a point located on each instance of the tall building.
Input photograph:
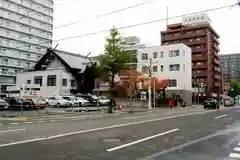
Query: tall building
(197, 33)
(230, 64)
(172, 62)
(25, 34)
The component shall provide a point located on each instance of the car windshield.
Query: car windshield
(67, 98)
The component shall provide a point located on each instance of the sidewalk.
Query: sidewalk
(60, 112)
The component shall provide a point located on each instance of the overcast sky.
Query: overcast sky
(226, 21)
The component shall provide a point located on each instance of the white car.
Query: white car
(103, 100)
(58, 102)
(72, 99)
(82, 101)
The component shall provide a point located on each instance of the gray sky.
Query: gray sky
(226, 21)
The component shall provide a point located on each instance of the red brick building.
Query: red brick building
(203, 40)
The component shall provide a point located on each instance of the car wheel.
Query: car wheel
(58, 105)
(46, 105)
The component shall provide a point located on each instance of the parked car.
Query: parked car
(37, 102)
(3, 104)
(17, 103)
(72, 99)
(92, 101)
(211, 103)
(82, 101)
(228, 103)
(58, 102)
(103, 100)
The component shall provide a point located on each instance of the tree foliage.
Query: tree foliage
(114, 58)
(234, 89)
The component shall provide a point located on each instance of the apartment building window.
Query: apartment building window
(172, 83)
(4, 70)
(144, 56)
(28, 64)
(38, 80)
(64, 82)
(51, 80)
(174, 53)
(161, 68)
(155, 68)
(28, 81)
(174, 67)
(5, 61)
(155, 54)
(161, 55)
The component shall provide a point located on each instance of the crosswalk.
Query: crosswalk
(236, 153)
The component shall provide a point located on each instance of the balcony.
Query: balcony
(11, 65)
(216, 40)
(216, 47)
(216, 62)
(195, 50)
(200, 74)
(182, 36)
(216, 84)
(198, 58)
(217, 69)
(218, 77)
(10, 74)
(194, 42)
(200, 66)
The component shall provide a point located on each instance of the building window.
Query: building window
(5, 61)
(64, 82)
(174, 53)
(144, 69)
(155, 68)
(51, 80)
(28, 81)
(161, 68)
(155, 54)
(38, 80)
(174, 67)
(144, 56)
(172, 83)
(161, 55)
(73, 83)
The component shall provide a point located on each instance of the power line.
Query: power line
(135, 25)
(145, 23)
(106, 14)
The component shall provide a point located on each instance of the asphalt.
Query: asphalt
(172, 135)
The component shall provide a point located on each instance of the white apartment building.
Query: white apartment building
(172, 62)
(55, 72)
(25, 34)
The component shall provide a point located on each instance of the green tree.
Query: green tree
(114, 58)
(234, 89)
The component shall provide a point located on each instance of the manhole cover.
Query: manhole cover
(111, 140)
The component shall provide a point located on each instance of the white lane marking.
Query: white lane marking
(100, 129)
(13, 123)
(41, 121)
(141, 140)
(21, 142)
(14, 130)
(28, 122)
(237, 149)
(234, 155)
(220, 116)
(52, 120)
(1, 124)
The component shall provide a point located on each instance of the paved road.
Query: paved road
(175, 134)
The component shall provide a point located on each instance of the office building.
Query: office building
(197, 33)
(25, 34)
(230, 64)
(172, 62)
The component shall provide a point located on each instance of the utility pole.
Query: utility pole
(149, 85)
(195, 85)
